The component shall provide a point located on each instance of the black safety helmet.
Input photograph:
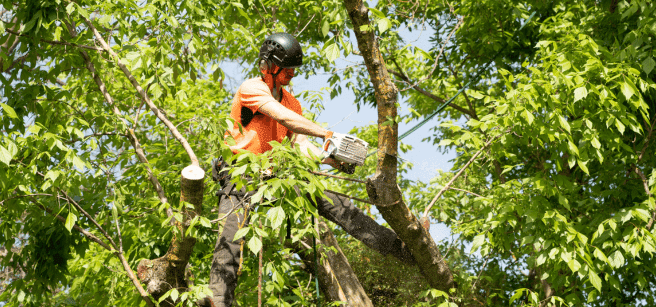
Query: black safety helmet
(283, 50)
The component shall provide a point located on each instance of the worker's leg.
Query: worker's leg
(225, 263)
(362, 227)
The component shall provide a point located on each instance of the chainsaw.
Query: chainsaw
(347, 149)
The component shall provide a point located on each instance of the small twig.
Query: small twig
(337, 177)
(347, 116)
(299, 33)
(438, 56)
(446, 187)
(470, 192)
(88, 216)
(58, 42)
(427, 93)
(481, 272)
(229, 212)
(87, 234)
(143, 95)
(646, 186)
(351, 197)
(118, 232)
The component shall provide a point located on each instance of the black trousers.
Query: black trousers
(225, 263)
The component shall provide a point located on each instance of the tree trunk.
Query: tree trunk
(337, 280)
(168, 271)
(382, 187)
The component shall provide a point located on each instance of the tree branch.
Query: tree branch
(382, 187)
(438, 56)
(143, 94)
(645, 185)
(131, 135)
(431, 95)
(448, 185)
(57, 42)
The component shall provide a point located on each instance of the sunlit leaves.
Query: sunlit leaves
(5, 155)
(594, 279)
(648, 64)
(70, 221)
(627, 90)
(9, 111)
(276, 216)
(580, 93)
(331, 51)
(616, 259)
(254, 244)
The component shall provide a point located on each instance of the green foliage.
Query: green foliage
(563, 197)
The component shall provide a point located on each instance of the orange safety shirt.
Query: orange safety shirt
(262, 129)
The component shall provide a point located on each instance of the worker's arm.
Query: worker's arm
(304, 145)
(294, 122)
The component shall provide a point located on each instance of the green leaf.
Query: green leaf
(5, 155)
(620, 127)
(583, 166)
(573, 148)
(9, 110)
(641, 214)
(580, 93)
(376, 12)
(600, 255)
(648, 65)
(241, 233)
(445, 142)
(518, 294)
(595, 142)
(30, 24)
(70, 221)
(594, 279)
(574, 265)
(478, 241)
(563, 201)
(627, 90)
(70, 8)
(331, 52)
(325, 27)
(529, 116)
(78, 163)
(534, 298)
(616, 259)
(276, 216)
(563, 123)
(384, 25)
(174, 294)
(254, 244)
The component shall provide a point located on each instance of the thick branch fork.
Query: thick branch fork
(382, 187)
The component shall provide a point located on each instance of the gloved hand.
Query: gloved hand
(346, 168)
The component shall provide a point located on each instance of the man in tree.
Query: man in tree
(267, 112)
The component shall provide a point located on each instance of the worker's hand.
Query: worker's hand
(346, 168)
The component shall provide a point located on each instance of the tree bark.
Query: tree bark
(382, 187)
(337, 280)
(168, 271)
